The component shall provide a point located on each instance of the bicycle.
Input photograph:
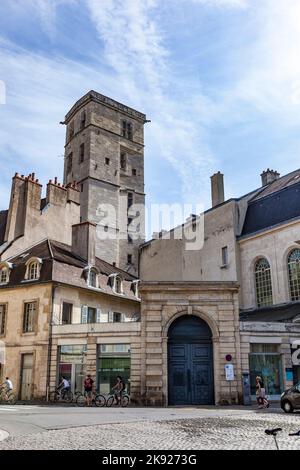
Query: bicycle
(274, 432)
(11, 399)
(61, 395)
(112, 399)
(97, 399)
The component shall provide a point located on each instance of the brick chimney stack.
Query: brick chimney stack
(217, 189)
(269, 176)
(84, 241)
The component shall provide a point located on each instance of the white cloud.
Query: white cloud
(223, 3)
(136, 51)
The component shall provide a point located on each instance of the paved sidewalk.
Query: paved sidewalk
(187, 429)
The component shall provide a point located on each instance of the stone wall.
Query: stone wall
(18, 343)
(162, 303)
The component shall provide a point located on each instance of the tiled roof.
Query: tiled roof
(273, 209)
(279, 313)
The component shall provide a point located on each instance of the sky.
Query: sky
(219, 80)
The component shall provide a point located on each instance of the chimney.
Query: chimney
(217, 189)
(84, 241)
(56, 193)
(269, 176)
(73, 193)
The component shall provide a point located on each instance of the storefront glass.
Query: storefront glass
(72, 365)
(265, 361)
(113, 360)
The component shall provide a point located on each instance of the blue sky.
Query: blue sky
(219, 79)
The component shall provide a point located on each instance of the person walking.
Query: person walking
(119, 389)
(88, 389)
(261, 393)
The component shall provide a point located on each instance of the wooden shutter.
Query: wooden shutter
(84, 314)
(98, 315)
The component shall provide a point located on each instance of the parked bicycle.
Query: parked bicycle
(61, 395)
(123, 401)
(7, 397)
(97, 399)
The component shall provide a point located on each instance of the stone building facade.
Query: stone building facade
(184, 324)
(104, 153)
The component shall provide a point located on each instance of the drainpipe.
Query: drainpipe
(50, 343)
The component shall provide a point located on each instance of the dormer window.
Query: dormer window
(116, 283)
(33, 269)
(135, 287)
(3, 276)
(93, 278)
(5, 269)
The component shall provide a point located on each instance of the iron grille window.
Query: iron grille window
(294, 274)
(3, 309)
(29, 317)
(129, 259)
(263, 281)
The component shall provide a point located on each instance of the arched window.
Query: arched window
(294, 274)
(33, 269)
(118, 285)
(263, 283)
(92, 278)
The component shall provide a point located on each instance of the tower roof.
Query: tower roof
(106, 101)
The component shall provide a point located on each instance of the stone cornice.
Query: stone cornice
(98, 98)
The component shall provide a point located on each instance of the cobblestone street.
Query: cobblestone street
(211, 429)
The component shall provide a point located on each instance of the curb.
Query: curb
(3, 435)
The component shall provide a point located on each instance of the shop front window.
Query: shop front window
(72, 365)
(265, 361)
(113, 360)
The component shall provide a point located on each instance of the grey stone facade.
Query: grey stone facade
(107, 160)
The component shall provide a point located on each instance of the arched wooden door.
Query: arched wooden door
(190, 362)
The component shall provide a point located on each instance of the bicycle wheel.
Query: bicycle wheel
(125, 401)
(54, 396)
(11, 399)
(80, 400)
(100, 400)
(110, 401)
(68, 396)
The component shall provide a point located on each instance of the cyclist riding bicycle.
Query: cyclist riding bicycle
(7, 386)
(119, 389)
(64, 385)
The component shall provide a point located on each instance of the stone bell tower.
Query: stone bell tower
(104, 154)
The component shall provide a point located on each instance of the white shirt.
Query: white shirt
(9, 384)
(66, 383)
